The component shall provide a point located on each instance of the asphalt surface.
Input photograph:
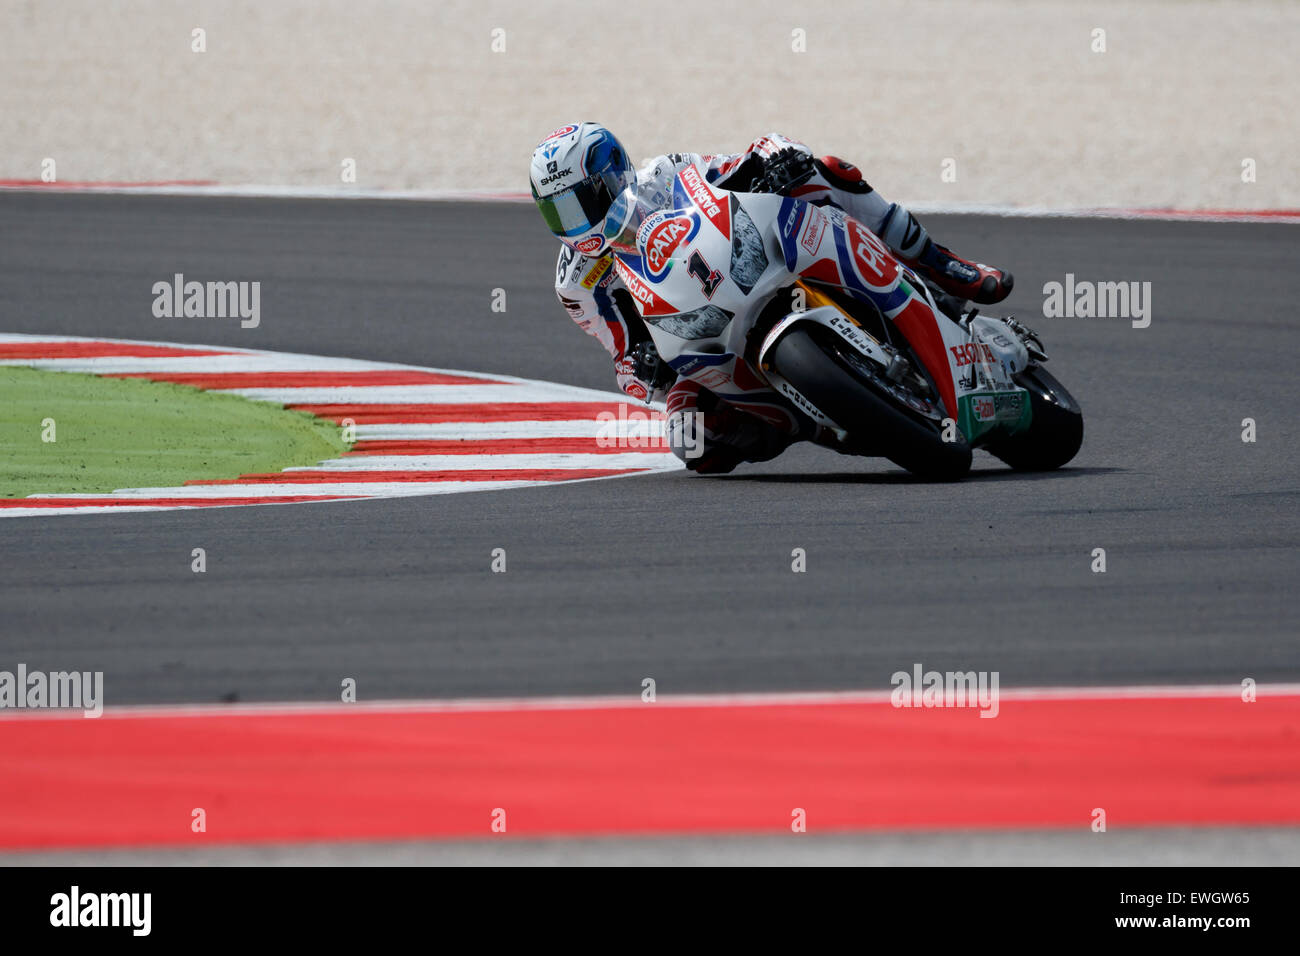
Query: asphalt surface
(684, 579)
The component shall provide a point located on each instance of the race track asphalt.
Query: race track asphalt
(683, 579)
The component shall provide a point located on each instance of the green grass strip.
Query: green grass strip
(114, 433)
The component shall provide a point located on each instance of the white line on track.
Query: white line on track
(634, 701)
(924, 207)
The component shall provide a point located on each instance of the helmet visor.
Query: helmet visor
(625, 215)
(581, 207)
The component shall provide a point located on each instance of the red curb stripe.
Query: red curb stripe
(303, 379)
(351, 475)
(500, 446)
(468, 412)
(360, 413)
(1225, 213)
(57, 350)
(126, 501)
(338, 774)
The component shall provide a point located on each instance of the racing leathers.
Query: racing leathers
(596, 298)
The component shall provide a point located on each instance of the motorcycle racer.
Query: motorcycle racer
(580, 171)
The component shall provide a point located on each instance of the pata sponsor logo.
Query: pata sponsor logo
(1073, 299)
(921, 688)
(663, 240)
(208, 300)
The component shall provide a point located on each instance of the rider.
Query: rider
(579, 171)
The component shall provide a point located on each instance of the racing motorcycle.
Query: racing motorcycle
(794, 312)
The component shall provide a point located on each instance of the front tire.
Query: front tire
(812, 364)
(1055, 429)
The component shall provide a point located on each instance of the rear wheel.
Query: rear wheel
(894, 419)
(1055, 430)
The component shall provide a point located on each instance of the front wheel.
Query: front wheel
(1055, 430)
(852, 391)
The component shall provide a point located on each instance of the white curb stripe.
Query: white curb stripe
(495, 390)
(210, 364)
(422, 394)
(491, 462)
(360, 489)
(486, 431)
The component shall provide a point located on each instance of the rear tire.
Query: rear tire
(1055, 430)
(870, 416)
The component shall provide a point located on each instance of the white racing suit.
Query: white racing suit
(599, 302)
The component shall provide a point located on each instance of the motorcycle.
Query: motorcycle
(800, 315)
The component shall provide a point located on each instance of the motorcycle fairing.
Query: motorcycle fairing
(981, 399)
(719, 255)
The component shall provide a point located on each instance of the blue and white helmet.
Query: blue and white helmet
(577, 173)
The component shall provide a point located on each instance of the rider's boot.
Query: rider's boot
(956, 276)
(712, 437)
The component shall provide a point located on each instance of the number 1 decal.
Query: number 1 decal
(710, 279)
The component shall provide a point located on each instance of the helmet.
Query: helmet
(577, 174)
